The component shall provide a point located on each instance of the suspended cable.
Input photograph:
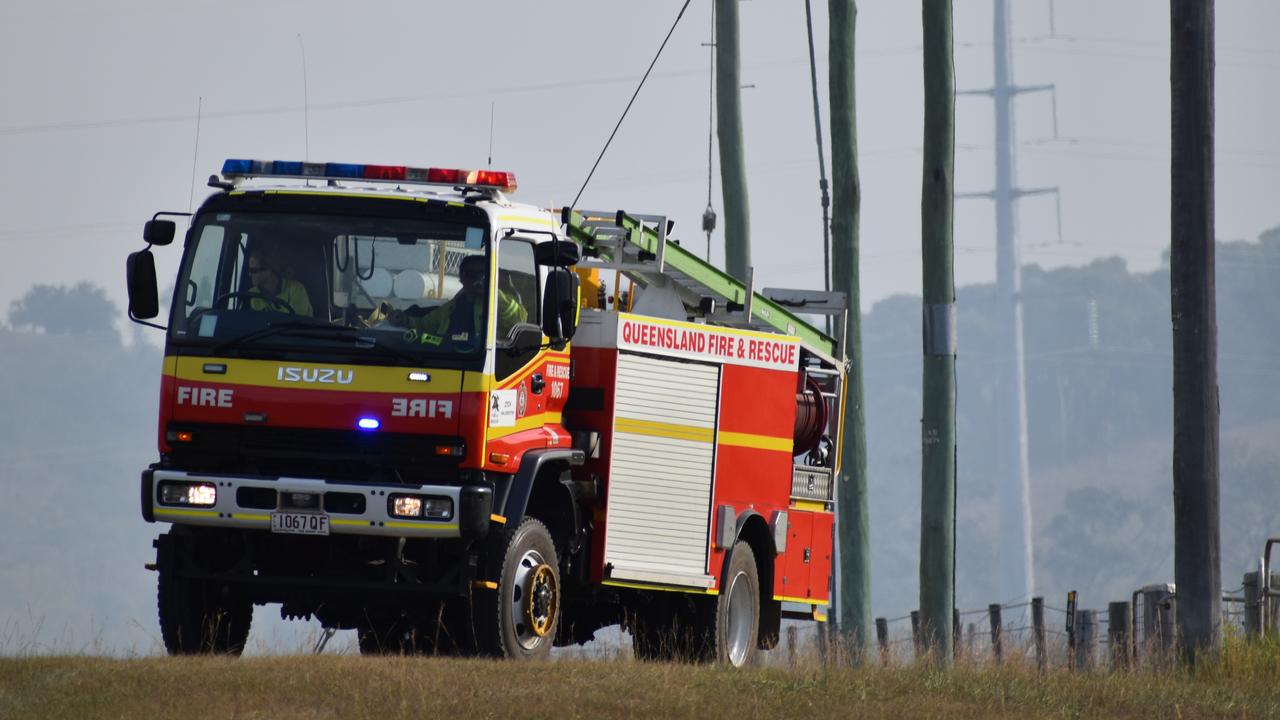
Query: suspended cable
(709, 215)
(629, 103)
(822, 163)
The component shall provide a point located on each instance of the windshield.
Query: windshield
(369, 284)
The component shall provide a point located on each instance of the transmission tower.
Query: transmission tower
(1017, 576)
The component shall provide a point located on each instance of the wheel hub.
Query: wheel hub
(541, 607)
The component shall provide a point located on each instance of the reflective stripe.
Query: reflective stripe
(664, 430)
(428, 525)
(758, 442)
(802, 601)
(259, 518)
(663, 588)
(187, 513)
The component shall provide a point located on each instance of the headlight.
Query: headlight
(420, 506)
(201, 494)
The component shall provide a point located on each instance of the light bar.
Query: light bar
(498, 179)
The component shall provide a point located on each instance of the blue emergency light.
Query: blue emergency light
(497, 179)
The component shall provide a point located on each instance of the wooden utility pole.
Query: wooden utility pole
(1196, 565)
(733, 171)
(938, 421)
(846, 195)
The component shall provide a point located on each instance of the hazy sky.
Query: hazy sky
(98, 125)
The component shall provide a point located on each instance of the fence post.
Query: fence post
(1086, 639)
(791, 646)
(1119, 632)
(1037, 632)
(1252, 605)
(971, 640)
(915, 632)
(956, 633)
(997, 632)
(882, 637)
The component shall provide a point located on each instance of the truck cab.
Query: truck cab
(356, 378)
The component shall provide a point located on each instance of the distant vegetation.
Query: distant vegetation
(81, 412)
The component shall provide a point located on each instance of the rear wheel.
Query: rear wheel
(518, 619)
(198, 617)
(737, 619)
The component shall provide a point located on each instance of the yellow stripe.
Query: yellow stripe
(819, 615)
(498, 519)
(663, 588)
(533, 220)
(364, 378)
(187, 513)
(664, 430)
(802, 601)
(422, 526)
(812, 505)
(349, 523)
(259, 518)
(528, 422)
(758, 442)
(485, 585)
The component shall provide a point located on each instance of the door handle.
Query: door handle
(536, 383)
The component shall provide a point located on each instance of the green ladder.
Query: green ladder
(645, 250)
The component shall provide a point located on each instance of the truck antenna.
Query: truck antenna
(629, 103)
(306, 119)
(491, 106)
(195, 154)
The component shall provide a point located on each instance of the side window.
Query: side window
(517, 287)
(517, 299)
(203, 283)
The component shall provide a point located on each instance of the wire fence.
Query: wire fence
(1037, 633)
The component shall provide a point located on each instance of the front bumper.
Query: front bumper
(472, 505)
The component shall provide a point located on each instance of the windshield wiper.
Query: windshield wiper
(317, 331)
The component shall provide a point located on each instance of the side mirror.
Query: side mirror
(140, 268)
(560, 305)
(561, 253)
(158, 232)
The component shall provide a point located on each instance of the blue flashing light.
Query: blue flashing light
(343, 170)
(368, 423)
(284, 167)
(237, 167)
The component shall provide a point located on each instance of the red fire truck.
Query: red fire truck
(398, 402)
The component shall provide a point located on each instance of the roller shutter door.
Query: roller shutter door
(660, 478)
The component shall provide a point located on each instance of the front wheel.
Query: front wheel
(738, 608)
(518, 619)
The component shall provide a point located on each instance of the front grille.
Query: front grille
(811, 483)
(333, 454)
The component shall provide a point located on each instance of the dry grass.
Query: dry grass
(1243, 683)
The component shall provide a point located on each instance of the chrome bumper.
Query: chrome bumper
(471, 505)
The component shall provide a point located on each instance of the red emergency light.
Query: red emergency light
(497, 179)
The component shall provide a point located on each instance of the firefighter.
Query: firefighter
(460, 318)
(268, 280)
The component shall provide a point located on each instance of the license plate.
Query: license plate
(300, 523)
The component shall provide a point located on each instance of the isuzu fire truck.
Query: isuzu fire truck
(398, 402)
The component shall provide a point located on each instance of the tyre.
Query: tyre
(518, 619)
(737, 615)
(200, 618)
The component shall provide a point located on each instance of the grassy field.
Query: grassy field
(1243, 683)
